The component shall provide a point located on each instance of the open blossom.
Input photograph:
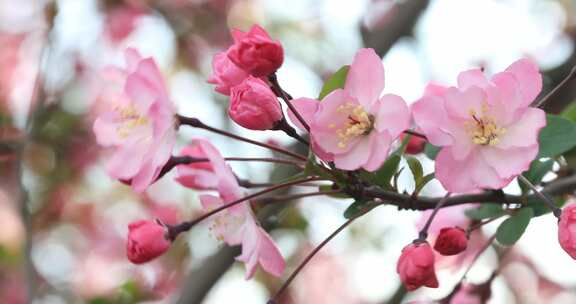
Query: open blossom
(225, 74)
(139, 124)
(355, 124)
(146, 241)
(567, 229)
(451, 241)
(416, 266)
(254, 106)
(237, 225)
(255, 52)
(487, 131)
(196, 175)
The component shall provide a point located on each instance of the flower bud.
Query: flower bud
(416, 266)
(415, 145)
(255, 52)
(254, 106)
(146, 241)
(451, 241)
(567, 230)
(225, 74)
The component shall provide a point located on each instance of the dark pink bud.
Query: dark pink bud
(567, 230)
(225, 74)
(253, 105)
(255, 52)
(415, 145)
(451, 241)
(146, 241)
(416, 266)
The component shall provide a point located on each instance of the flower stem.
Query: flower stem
(562, 83)
(424, 232)
(196, 123)
(274, 299)
(486, 222)
(555, 210)
(283, 125)
(175, 230)
(280, 93)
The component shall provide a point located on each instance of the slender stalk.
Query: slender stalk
(414, 133)
(562, 83)
(424, 232)
(555, 210)
(283, 125)
(196, 123)
(280, 93)
(274, 199)
(481, 224)
(279, 292)
(175, 230)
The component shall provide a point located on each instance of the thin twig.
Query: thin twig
(481, 224)
(424, 231)
(562, 83)
(555, 210)
(280, 93)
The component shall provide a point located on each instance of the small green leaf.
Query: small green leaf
(336, 81)
(359, 207)
(510, 231)
(570, 112)
(485, 211)
(415, 168)
(425, 180)
(536, 172)
(388, 169)
(431, 151)
(557, 137)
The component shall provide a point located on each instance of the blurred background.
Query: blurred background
(63, 221)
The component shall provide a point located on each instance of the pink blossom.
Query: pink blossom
(355, 124)
(254, 106)
(146, 241)
(225, 74)
(451, 241)
(255, 52)
(237, 225)
(416, 266)
(567, 229)
(139, 124)
(197, 175)
(487, 131)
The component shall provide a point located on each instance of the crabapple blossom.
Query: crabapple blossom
(355, 124)
(254, 106)
(567, 229)
(255, 52)
(451, 241)
(416, 266)
(146, 241)
(225, 74)
(487, 131)
(139, 124)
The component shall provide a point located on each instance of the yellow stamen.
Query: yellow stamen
(359, 123)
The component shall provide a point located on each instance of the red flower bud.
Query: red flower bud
(416, 266)
(255, 52)
(146, 241)
(415, 145)
(451, 241)
(254, 106)
(225, 74)
(567, 230)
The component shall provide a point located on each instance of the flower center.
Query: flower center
(483, 129)
(129, 119)
(359, 123)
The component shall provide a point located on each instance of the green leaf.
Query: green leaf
(358, 208)
(336, 81)
(557, 137)
(388, 169)
(536, 172)
(570, 112)
(485, 211)
(425, 180)
(415, 168)
(510, 231)
(431, 151)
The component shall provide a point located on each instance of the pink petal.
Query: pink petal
(524, 132)
(106, 132)
(306, 107)
(505, 98)
(270, 259)
(380, 143)
(430, 116)
(357, 156)
(132, 57)
(126, 160)
(484, 175)
(472, 78)
(461, 104)
(434, 89)
(454, 175)
(510, 162)
(141, 92)
(392, 115)
(365, 79)
(145, 176)
(529, 79)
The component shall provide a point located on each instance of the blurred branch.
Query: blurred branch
(566, 94)
(398, 22)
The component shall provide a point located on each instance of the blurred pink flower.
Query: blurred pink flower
(488, 132)
(416, 266)
(254, 106)
(121, 22)
(451, 241)
(567, 229)
(255, 52)
(355, 123)
(139, 124)
(196, 175)
(225, 74)
(146, 241)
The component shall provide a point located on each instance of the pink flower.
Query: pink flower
(355, 124)
(139, 124)
(255, 52)
(487, 131)
(146, 241)
(121, 21)
(451, 241)
(567, 230)
(197, 175)
(416, 266)
(225, 74)
(237, 225)
(254, 106)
